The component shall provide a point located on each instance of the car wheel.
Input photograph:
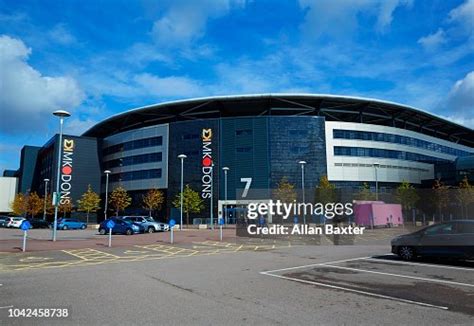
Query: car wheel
(83, 227)
(151, 229)
(65, 227)
(129, 232)
(102, 231)
(406, 253)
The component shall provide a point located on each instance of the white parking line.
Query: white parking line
(356, 291)
(419, 264)
(398, 275)
(5, 307)
(316, 264)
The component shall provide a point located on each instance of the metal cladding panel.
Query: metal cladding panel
(85, 166)
(244, 149)
(186, 138)
(292, 139)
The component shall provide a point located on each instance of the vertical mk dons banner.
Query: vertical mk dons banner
(207, 163)
(67, 159)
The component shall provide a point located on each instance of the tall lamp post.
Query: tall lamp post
(107, 173)
(303, 163)
(181, 157)
(376, 166)
(225, 169)
(61, 114)
(45, 197)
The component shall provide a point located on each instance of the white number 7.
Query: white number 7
(248, 182)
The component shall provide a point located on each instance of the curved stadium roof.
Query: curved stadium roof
(332, 107)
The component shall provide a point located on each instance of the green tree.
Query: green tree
(89, 202)
(65, 208)
(19, 205)
(365, 193)
(407, 196)
(34, 204)
(285, 191)
(440, 197)
(119, 199)
(192, 202)
(325, 191)
(49, 204)
(153, 200)
(465, 195)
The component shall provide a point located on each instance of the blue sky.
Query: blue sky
(97, 58)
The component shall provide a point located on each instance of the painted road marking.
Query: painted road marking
(418, 264)
(434, 280)
(90, 254)
(316, 264)
(5, 307)
(27, 259)
(381, 296)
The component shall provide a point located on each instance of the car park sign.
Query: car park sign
(110, 224)
(172, 223)
(25, 225)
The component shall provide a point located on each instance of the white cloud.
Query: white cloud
(464, 15)
(78, 126)
(385, 12)
(460, 103)
(167, 87)
(60, 34)
(185, 22)
(340, 18)
(27, 95)
(434, 40)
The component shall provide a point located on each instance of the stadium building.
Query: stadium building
(262, 137)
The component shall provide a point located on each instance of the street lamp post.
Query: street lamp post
(225, 169)
(303, 163)
(376, 165)
(107, 172)
(45, 197)
(61, 114)
(181, 157)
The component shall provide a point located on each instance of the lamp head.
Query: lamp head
(107, 172)
(46, 180)
(182, 156)
(62, 113)
(225, 168)
(302, 162)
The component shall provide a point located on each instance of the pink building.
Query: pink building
(377, 213)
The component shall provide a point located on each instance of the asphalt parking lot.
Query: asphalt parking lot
(202, 282)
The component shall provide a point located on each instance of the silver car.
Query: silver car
(148, 223)
(454, 240)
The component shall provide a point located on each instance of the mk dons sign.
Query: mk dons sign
(207, 164)
(67, 159)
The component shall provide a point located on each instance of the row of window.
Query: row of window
(397, 139)
(382, 166)
(134, 144)
(133, 160)
(385, 153)
(135, 175)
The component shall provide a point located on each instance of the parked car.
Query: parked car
(148, 223)
(15, 222)
(71, 223)
(121, 227)
(37, 223)
(454, 240)
(3, 221)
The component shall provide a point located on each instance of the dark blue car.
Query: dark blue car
(121, 227)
